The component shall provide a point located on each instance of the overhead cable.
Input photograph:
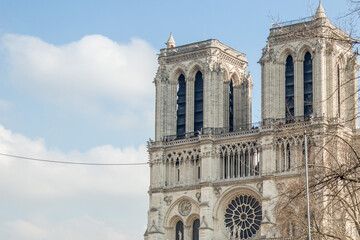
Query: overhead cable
(73, 163)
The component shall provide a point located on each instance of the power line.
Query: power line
(73, 163)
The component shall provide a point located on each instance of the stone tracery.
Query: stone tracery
(239, 160)
(182, 166)
(242, 217)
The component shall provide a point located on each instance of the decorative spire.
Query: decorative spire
(320, 12)
(171, 42)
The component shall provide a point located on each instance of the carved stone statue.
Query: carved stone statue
(180, 235)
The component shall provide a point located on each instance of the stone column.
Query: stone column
(225, 105)
(206, 161)
(319, 86)
(155, 229)
(280, 98)
(159, 106)
(299, 88)
(190, 105)
(238, 105)
(268, 205)
(206, 216)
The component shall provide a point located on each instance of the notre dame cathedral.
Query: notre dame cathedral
(214, 174)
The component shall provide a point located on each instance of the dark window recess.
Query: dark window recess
(289, 90)
(231, 106)
(179, 231)
(181, 107)
(288, 154)
(196, 226)
(198, 103)
(308, 86)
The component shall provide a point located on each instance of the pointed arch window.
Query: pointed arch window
(308, 86)
(288, 157)
(196, 226)
(289, 90)
(181, 107)
(198, 103)
(179, 231)
(231, 106)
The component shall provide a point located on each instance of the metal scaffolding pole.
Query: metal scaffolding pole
(307, 186)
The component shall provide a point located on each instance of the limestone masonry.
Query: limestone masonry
(214, 174)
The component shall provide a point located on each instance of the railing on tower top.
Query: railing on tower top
(248, 129)
(292, 22)
(202, 45)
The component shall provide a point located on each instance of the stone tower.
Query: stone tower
(216, 176)
(200, 88)
(317, 58)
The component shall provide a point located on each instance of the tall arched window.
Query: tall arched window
(198, 103)
(308, 86)
(289, 90)
(179, 231)
(181, 107)
(231, 106)
(196, 226)
(288, 156)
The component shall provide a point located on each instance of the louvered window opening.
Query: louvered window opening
(289, 90)
(308, 87)
(198, 103)
(181, 107)
(231, 106)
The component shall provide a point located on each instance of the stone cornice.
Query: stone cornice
(201, 50)
(319, 28)
(275, 129)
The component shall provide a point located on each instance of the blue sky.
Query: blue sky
(76, 85)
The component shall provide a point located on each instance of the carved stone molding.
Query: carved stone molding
(184, 207)
(217, 191)
(259, 186)
(198, 196)
(168, 200)
(186, 57)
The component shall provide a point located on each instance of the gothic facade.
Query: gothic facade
(216, 176)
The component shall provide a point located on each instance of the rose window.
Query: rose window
(243, 217)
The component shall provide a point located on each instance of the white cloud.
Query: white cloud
(34, 192)
(39, 180)
(92, 67)
(81, 228)
(94, 76)
(21, 229)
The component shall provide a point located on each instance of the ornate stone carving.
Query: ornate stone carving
(186, 57)
(204, 224)
(185, 155)
(217, 191)
(243, 217)
(184, 207)
(198, 196)
(260, 187)
(168, 200)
